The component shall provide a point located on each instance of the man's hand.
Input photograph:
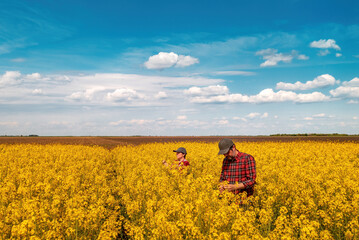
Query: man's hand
(165, 163)
(231, 187)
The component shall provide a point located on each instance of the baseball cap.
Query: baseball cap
(224, 145)
(181, 150)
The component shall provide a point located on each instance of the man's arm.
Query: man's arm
(250, 172)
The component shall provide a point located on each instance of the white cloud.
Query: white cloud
(320, 81)
(124, 94)
(166, 60)
(182, 117)
(272, 57)
(132, 122)
(34, 76)
(319, 115)
(179, 122)
(8, 123)
(355, 118)
(185, 61)
(265, 115)
(37, 91)
(97, 89)
(323, 52)
(325, 44)
(10, 78)
(353, 102)
(161, 95)
(253, 115)
(88, 94)
(352, 83)
(222, 122)
(265, 96)
(347, 90)
(338, 54)
(322, 115)
(207, 91)
(15, 78)
(240, 118)
(302, 57)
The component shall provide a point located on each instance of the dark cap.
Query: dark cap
(224, 145)
(181, 150)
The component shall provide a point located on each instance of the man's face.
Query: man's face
(231, 153)
(179, 155)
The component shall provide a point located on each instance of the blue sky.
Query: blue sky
(178, 67)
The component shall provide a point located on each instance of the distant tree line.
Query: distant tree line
(31, 135)
(313, 134)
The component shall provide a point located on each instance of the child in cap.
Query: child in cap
(181, 154)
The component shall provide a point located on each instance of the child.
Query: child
(181, 154)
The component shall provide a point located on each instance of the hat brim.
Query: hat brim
(223, 151)
(178, 151)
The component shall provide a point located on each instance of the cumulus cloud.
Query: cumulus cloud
(347, 90)
(166, 60)
(37, 91)
(319, 116)
(179, 122)
(272, 57)
(265, 115)
(182, 117)
(10, 78)
(323, 52)
(222, 122)
(207, 91)
(184, 61)
(265, 96)
(352, 83)
(132, 122)
(320, 81)
(252, 116)
(34, 76)
(88, 94)
(338, 54)
(161, 95)
(325, 44)
(124, 94)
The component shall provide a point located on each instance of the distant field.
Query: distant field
(111, 142)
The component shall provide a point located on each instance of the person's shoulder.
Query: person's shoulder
(245, 155)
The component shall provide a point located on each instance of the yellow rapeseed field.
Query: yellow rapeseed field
(305, 190)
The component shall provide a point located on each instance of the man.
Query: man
(238, 168)
(181, 154)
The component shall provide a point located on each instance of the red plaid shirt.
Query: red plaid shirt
(242, 169)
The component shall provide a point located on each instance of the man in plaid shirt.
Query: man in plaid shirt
(238, 169)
